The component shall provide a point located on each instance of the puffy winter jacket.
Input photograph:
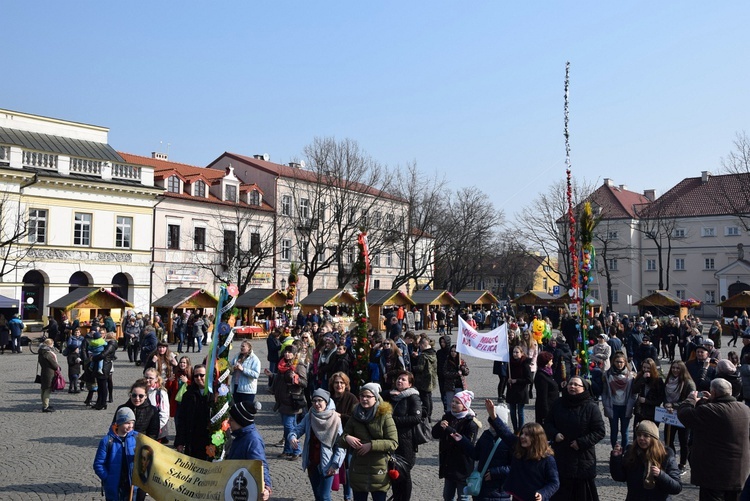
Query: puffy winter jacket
(110, 454)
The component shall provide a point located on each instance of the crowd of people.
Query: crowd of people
(365, 440)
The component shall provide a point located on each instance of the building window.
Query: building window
(547, 268)
(679, 264)
(255, 244)
(710, 297)
(708, 232)
(173, 236)
(82, 229)
(123, 232)
(230, 245)
(377, 219)
(286, 250)
(544, 284)
(594, 293)
(304, 208)
(199, 239)
(650, 264)
(286, 205)
(615, 296)
(650, 291)
(679, 233)
(732, 231)
(612, 235)
(389, 221)
(612, 264)
(255, 197)
(322, 211)
(199, 189)
(389, 259)
(352, 215)
(376, 284)
(710, 263)
(350, 255)
(230, 193)
(376, 260)
(173, 184)
(37, 226)
(363, 219)
(322, 255)
(680, 293)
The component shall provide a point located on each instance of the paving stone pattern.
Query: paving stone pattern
(49, 456)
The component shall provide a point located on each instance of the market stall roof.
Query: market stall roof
(476, 297)
(186, 297)
(536, 298)
(328, 297)
(658, 298)
(434, 297)
(6, 302)
(741, 300)
(388, 297)
(261, 298)
(90, 297)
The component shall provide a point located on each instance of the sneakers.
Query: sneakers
(294, 457)
(48, 409)
(281, 442)
(683, 469)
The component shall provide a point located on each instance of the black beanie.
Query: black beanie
(243, 413)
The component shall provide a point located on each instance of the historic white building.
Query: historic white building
(84, 214)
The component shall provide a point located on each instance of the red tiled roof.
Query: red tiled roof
(617, 203)
(720, 195)
(305, 175)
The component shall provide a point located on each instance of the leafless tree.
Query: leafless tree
(341, 191)
(736, 189)
(656, 221)
(14, 230)
(467, 229)
(541, 225)
(512, 267)
(240, 241)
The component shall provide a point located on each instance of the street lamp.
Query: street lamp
(283, 283)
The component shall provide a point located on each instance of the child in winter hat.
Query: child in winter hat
(464, 398)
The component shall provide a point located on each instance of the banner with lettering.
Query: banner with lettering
(491, 345)
(662, 415)
(166, 474)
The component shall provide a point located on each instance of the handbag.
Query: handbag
(58, 383)
(474, 480)
(422, 433)
(38, 378)
(397, 467)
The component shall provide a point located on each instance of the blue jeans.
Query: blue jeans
(620, 423)
(180, 340)
(453, 487)
(376, 496)
(321, 485)
(516, 416)
(290, 422)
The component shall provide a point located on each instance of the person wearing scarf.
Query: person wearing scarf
(575, 426)
(371, 437)
(322, 456)
(288, 388)
(407, 414)
(455, 463)
(618, 399)
(677, 387)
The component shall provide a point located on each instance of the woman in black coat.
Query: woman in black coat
(407, 414)
(547, 389)
(575, 425)
(192, 417)
(102, 378)
(519, 380)
(146, 415)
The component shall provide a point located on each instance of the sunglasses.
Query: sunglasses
(199, 375)
(138, 395)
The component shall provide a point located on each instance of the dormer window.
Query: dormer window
(254, 197)
(173, 184)
(230, 193)
(199, 189)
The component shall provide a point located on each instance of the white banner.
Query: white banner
(491, 345)
(662, 415)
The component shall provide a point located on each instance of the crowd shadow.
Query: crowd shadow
(49, 488)
(78, 441)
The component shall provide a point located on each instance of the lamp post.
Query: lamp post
(283, 284)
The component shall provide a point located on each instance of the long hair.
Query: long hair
(683, 376)
(652, 369)
(653, 455)
(163, 362)
(539, 447)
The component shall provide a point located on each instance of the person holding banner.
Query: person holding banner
(649, 469)
(247, 443)
(518, 386)
(648, 387)
(321, 456)
(677, 387)
(115, 456)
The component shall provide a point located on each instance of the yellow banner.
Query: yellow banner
(168, 475)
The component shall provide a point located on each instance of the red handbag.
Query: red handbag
(58, 383)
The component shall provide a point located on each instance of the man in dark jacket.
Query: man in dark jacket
(701, 369)
(107, 357)
(644, 351)
(720, 454)
(424, 367)
(148, 345)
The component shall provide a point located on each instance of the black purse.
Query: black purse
(422, 433)
(38, 378)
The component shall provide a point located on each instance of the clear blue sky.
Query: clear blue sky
(473, 90)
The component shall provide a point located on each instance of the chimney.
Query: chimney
(623, 187)
(705, 176)
(608, 182)
(650, 194)
(265, 156)
(159, 156)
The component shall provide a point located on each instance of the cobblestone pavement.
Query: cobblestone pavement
(49, 456)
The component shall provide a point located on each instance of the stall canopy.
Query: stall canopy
(738, 301)
(186, 298)
(378, 298)
(477, 297)
(261, 298)
(434, 297)
(660, 303)
(327, 298)
(7, 303)
(537, 298)
(93, 298)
